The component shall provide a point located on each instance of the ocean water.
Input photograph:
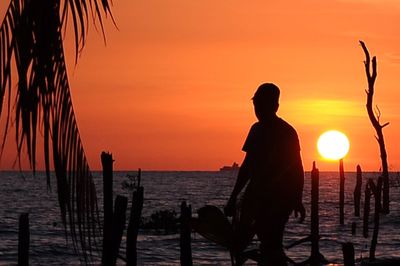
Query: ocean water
(21, 192)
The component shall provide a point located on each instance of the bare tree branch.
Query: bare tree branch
(374, 118)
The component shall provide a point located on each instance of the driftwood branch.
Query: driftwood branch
(376, 191)
(377, 113)
(371, 73)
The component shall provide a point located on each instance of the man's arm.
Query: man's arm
(241, 180)
(297, 173)
(298, 197)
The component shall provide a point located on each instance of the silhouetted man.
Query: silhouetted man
(273, 172)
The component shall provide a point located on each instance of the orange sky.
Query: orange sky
(171, 89)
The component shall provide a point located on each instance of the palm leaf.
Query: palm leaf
(31, 34)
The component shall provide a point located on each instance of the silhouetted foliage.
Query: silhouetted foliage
(162, 221)
(131, 184)
(31, 36)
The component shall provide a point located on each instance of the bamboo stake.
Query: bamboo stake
(185, 237)
(107, 163)
(353, 228)
(314, 212)
(367, 199)
(23, 240)
(357, 192)
(341, 193)
(118, 225)
(348, 254)
(316, 257)
(134, 223)
(377, 194)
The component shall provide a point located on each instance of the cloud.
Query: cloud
(391, 3)
(393, 58)
(372, 1)
(322, 111)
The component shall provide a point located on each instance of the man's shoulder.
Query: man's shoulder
(257, 125)
(279, 124)
(285, 126)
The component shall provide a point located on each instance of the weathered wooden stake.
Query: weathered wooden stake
(377, 194)
(185, 237)
(134, 223)
(341, 195)
(23, 240)
(353, 228)
(367, 200)
(314, 212)
(348, 254)
(357, 192)
(316, 257)
(118, 225)
(107, 163)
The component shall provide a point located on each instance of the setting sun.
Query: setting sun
(333, 145)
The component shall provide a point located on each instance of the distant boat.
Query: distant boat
(234, 167)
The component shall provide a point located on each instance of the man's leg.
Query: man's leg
(270, 233)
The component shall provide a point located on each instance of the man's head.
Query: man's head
(266, 101)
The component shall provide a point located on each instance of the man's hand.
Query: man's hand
(229, 209)
(300, 209)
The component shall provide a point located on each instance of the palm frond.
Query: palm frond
(79, 10)
(6, 51)
(31, 34)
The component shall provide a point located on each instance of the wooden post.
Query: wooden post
(377, 194)
(367, 199)
(341, 195)
(353, 228)
(134, 223)
(107, 163)
(118, 225)
(316, 257)
(314, 212)
(23, 240)
(357, 192)
(348, 254)
(185, 237)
